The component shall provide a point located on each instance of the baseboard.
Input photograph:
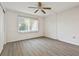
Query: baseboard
(63, 41)
(73, 43)
(26, 39)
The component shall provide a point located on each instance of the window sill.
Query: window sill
(29, 32)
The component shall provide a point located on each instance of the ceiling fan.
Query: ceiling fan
(40, 7)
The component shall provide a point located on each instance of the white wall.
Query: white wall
(11, 27)
(62, 26)
(50, 26)
(67, 26)
(1, 29)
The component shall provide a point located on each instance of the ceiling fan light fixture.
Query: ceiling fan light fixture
(40, 7)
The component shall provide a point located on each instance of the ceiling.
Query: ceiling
(23, 6)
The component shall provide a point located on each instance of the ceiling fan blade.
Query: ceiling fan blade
(47, 8)
(36, 11)
(32, 7)
(43, 11)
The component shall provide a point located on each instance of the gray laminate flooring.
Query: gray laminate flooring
(40, 47)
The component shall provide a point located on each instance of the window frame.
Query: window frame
(27, 17)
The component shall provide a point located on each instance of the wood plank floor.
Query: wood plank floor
(40, 47)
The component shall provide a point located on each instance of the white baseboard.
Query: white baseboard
(73, 43)
(69, 42)
(24, 39)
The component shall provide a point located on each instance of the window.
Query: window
(27, 24)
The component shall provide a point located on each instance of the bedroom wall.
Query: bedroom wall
(11, 27)
(50, 26)
(66, 28)
(1, 29)
(63, 26)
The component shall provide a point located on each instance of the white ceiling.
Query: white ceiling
(23, 6)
